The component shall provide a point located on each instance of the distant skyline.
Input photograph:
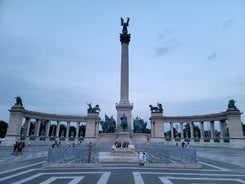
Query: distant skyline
(60, 55)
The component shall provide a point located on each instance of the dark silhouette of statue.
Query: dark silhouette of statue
(18, 101)
(109, 125)
(125, 25)
(124, 122)
(139, 125)
(158, 108)
(93, 109)
(231, 105)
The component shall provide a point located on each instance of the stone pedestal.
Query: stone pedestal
(120, 154)
(157, 128)
(124, 109)
(14, 126)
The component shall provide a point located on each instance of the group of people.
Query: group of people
(56, 144)
(18, 147)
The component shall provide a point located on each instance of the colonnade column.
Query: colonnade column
(77, 129)
(47, 129)
(212, 131)
(37, 127)
(57, 129)
(28, 124)
(67, 129)
(202, 130)
(222, 128)
(181, 130)
(191, 130)
(171, 130)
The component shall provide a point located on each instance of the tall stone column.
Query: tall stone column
(124, 107)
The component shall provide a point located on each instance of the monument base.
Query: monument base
(119, 152)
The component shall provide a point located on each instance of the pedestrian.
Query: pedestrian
(183, 144)
(141, 158)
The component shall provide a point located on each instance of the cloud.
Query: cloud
(212, 56)
(228, 23)
(166, 44)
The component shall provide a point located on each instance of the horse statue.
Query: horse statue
(156, 109)
(18, 101)
(93, 109)
(124, 122)
(109, 125)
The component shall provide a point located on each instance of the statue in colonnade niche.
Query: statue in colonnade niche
(62, 133)
(72, 134)
(93, 109)
(156, 109)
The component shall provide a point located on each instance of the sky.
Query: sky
(60, 55)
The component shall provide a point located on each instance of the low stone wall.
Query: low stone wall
(84, 153)
(168, 154)
(155, 154)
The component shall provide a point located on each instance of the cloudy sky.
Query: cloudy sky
(59, 55)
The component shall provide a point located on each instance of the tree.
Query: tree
(3, 128)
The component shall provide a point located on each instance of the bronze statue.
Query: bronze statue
(18, 101)
(93, 109)
(231, 105)
(156, 109)
(139, 125)
(109, 125)
(124, 122)
(125, 25)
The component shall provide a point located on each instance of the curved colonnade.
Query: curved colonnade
(219, 129)
(41, 128)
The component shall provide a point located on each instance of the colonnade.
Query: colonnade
(192, 128)
(199, 134)
(50, 129)
(44, 127)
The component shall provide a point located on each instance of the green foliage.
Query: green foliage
(3, 128)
